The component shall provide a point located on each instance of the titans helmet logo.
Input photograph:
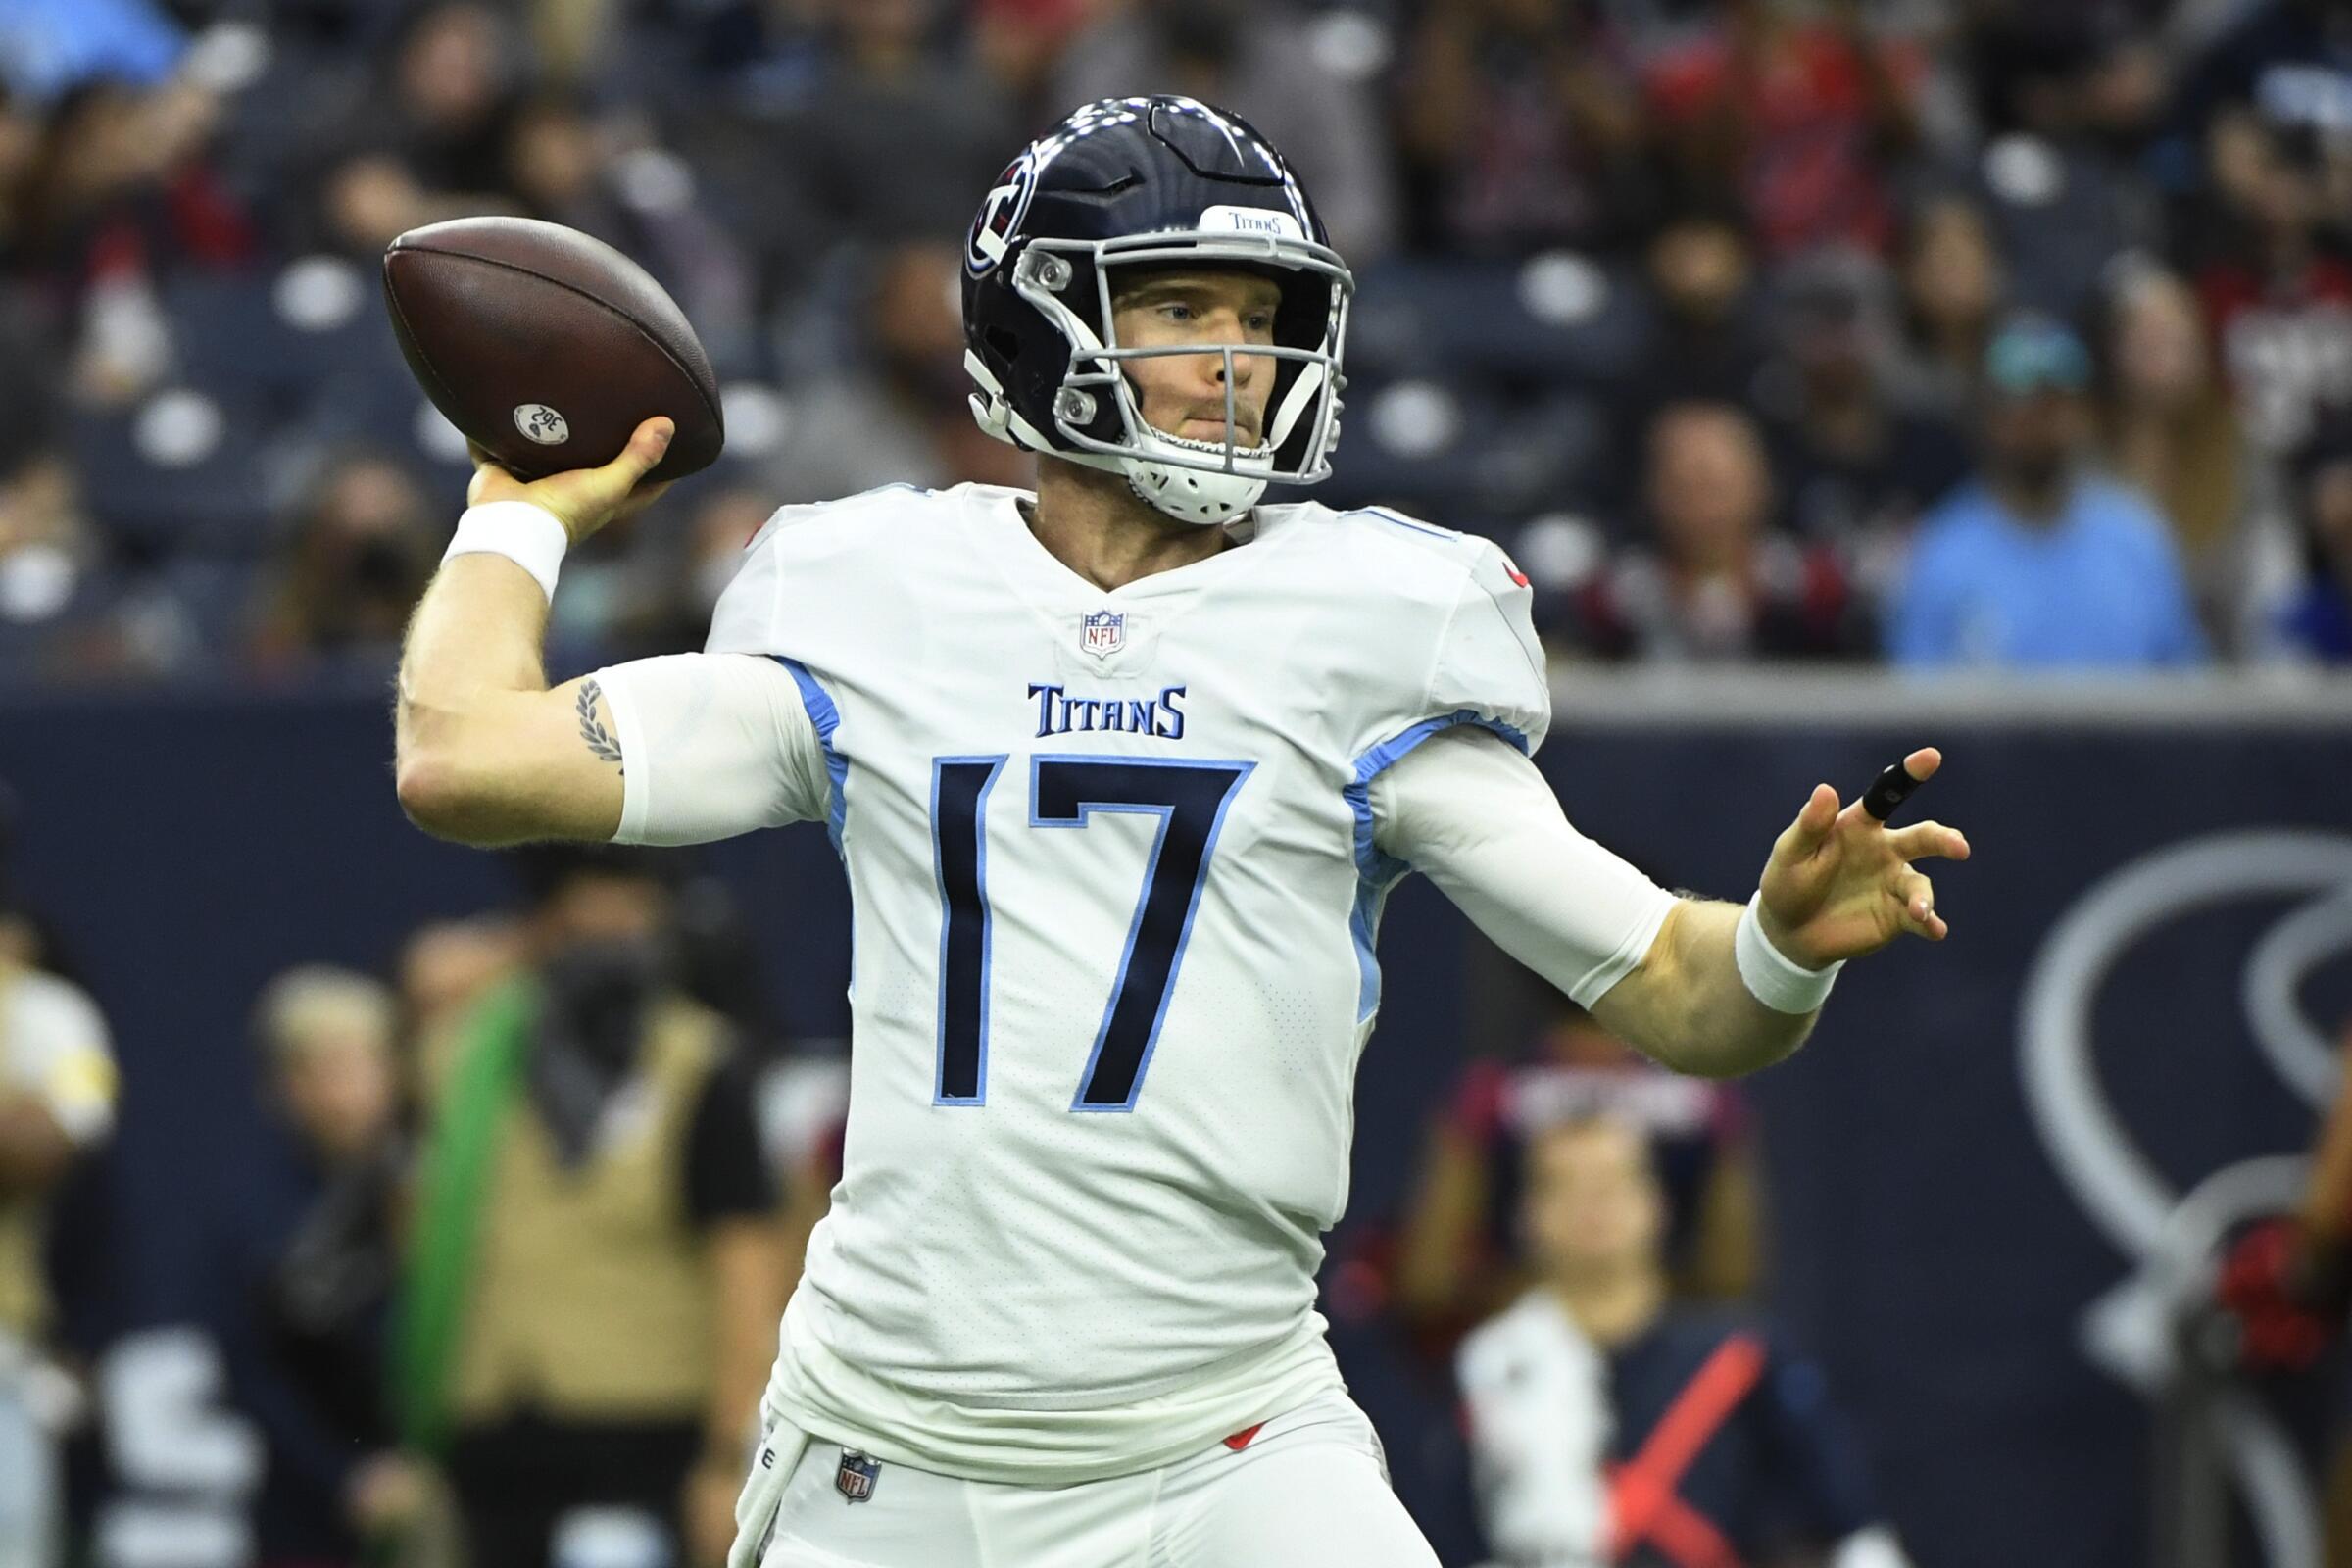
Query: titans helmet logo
(1000, 214)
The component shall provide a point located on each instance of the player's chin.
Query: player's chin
(1212, 431)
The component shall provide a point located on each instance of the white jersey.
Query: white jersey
(1116, 889)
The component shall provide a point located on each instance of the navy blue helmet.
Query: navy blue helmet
(1142, 184)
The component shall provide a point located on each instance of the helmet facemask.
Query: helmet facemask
(1095, 414)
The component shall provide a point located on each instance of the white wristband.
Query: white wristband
(1774, 978)
(529, 536)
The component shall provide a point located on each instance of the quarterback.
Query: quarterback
(1122, 772)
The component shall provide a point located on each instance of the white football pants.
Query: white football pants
(1310, 1489)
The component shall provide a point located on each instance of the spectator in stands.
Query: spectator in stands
(428, 143)
(1261, 62)
(898, 413)
(2038, 562)
(2310, 621)
(2287, 55)
(1020, 41)
(313, 1255)
(2276, 297)
(890, 96)
(1456, 1263)
(20, 162)
(2170, 429)
(1857, 460)
(1608, 1425)
(2064, 96)
(119, 183)
(566, 168)
(1704, 342)
(361, 548)
(1520, 128)
(1716, 582)
(57, 1101)
(593, 1288)
(48, 546)
(1796, 119)
(121, 196)
(1952, 291)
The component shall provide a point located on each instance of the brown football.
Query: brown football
(546, 347)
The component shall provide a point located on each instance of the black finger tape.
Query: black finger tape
(1890, 790)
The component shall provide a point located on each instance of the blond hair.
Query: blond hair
(303, 1003)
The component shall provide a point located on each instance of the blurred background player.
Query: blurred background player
(1608, 1424)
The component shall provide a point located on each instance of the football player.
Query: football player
(1122, 772)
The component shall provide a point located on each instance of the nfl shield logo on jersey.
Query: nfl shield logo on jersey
(1102, 633)
(856, 1478)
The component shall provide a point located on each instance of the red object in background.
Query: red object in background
(2260, 1286)
(1805, 128)
(1643, 1501)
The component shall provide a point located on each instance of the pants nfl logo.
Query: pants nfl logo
(855, 1480)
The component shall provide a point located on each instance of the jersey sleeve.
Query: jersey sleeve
(1488, 665)
(56, 1051)
(711, 745)
(1481, 824)
(749, 616)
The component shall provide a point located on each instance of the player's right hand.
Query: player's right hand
(584, 500)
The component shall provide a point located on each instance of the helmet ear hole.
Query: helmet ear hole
(1004, 342)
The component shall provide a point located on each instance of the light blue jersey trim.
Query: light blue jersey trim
(1375, 871)
(1401, 522)
(827, 719)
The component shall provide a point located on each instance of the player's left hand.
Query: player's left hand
(707, 1511)
(1839, 883)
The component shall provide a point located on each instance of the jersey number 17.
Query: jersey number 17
(1190, 800)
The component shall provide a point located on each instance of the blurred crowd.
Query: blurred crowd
(1951, 332)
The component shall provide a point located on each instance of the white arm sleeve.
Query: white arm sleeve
(1467, 808)
(711, 745)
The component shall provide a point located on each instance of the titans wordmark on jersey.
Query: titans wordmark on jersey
(1111, 863)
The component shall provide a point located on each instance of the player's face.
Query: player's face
(1184, 394)
(1592, 1205)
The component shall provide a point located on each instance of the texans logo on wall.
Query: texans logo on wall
(999, 216)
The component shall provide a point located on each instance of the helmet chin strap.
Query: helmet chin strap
(1187, 494)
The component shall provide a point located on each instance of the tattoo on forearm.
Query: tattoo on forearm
(599, 740)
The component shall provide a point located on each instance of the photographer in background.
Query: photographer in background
(594, 1275)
